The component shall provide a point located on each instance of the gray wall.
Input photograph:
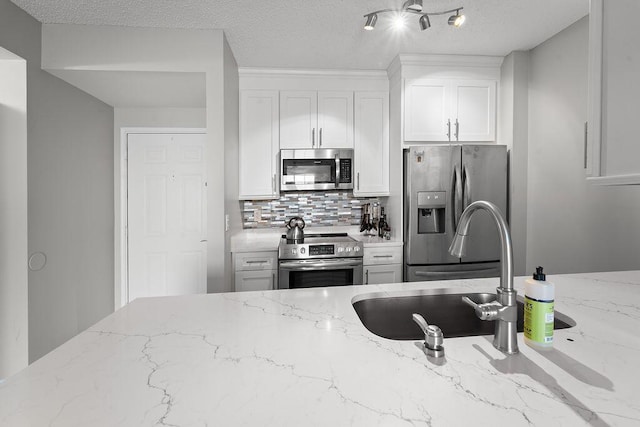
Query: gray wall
(572, 226)
(14, 339)
(70, 185)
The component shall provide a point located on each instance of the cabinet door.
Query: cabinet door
(335, 120)
(255, 280)
(298, 119)
(474, 108)
(258, 151)
(371, 144)
(427, 105)
(377, 274)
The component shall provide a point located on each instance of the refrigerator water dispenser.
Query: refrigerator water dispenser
(431, 212)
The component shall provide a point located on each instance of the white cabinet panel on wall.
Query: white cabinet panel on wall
(259, 144)
(612, 151)
(443, 110)
(371, 144)
(298, 119)
(427, 109)
(474, 109)
(310, 119)
(335, 120)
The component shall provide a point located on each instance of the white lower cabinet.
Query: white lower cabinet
(387, 273)
(256, 280)
(382, 264)
(255, 271)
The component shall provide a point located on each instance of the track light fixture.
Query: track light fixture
(371, 22)
(415, 7)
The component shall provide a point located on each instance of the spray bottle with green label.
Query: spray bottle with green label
(538, 311)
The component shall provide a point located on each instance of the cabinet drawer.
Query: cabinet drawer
(251, 261)
(383, 255)
(256, 280)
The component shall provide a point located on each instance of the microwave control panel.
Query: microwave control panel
(345, 171)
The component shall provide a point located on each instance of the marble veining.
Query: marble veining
(302, 357)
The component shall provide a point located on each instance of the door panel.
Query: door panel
(426, 110)
(485, 178)
(475, 106)
(166, 214)
(335, 120)
(298, 119)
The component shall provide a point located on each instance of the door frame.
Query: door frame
(121, 247)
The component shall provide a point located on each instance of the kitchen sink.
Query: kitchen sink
(389, 315)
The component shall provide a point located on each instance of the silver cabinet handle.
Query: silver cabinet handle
(457, 129)
(449, 129)
(366, 277)
(273, 281)
(383, 256)
(320, 137)
(313, 137)
(273, 184)
(358, 181)
(257, 262)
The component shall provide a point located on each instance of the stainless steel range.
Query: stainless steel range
(319, 260)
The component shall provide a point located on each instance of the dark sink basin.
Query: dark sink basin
(390, 316)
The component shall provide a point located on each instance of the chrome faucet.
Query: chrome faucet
(504, 309)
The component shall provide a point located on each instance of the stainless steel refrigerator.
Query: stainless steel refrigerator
(440, 181)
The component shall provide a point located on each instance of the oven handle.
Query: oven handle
(319, 265)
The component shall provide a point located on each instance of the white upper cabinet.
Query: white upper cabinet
(258, 151)
(298, 119)
(474, 109)
(335, 120)
(371, 144)
(612, 151)
(443, 110)
(310, 119)
(427, 110)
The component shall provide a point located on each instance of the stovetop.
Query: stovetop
(332, 245)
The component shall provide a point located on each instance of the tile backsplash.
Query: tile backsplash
(316, 207)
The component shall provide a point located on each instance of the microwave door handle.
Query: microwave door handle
(337, 170)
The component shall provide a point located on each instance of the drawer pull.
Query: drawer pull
(257, 262)
(383, 256)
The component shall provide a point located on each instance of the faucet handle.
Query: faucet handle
(487, 311)
(433, 337)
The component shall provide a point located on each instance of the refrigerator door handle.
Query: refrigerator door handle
(457, 197)
(466, 183)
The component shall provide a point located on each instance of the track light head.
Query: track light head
(457, 20)
(424, 22)
(371, 22)
(414, 5)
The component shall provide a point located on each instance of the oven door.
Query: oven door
(311, 273)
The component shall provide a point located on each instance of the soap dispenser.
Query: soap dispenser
(538, 311)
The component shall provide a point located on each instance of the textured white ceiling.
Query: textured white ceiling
(329, 33)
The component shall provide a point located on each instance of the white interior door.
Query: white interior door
(166, 215)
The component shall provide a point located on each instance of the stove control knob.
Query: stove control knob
(348, 249)
(302, 250)
(293, 251)
(340, 249)
(357, 248)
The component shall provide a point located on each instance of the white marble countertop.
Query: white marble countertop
(302, 358)
(260, 240)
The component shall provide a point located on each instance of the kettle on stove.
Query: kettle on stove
(294, 230)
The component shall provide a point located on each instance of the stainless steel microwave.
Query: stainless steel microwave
(321, 169)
